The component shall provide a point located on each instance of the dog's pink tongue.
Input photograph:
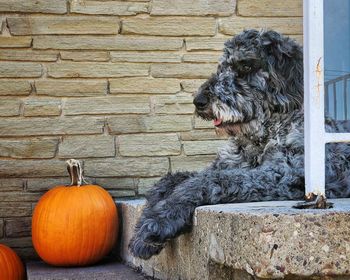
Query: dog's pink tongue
(217, 122)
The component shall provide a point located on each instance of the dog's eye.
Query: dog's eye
(246, 68)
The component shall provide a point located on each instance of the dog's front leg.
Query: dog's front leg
(165, 187)
(173, 215)
(144, 244)
(167, 219)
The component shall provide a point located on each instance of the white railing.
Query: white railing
(315, 134)
(332, 96)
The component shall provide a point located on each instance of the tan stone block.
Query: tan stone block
(98, 70)
(144, 85)
(20, 70)
(116, 183)
(208, 57)
(27, 25)
(149, 145)
(50, 126)
(170, 26)
(32, 168)
(87, 146)
(207, 134)
(122, 167)
(15, 87)
(28, 55)
(192, 163)
(170, 99)
(107, 105)
(28, 253)
(108, 7)
(42, 107)
(177, 105)
(167, 123)
(19, 196)
(9, 107)
(200, 123)
(28, 148)
(15, 243)
(15, 209)
(126, 124)
(44, 184)
(174, 109)
(206, 43)
(122, 193)
(267, 8)
(34, 6)
(11, 184)
(127, 43)
(15, 42)
(235, 25)
(84, 56)
(145, 57)
(194, 7)
(1, 228)
(146, 184)
(134, 124)
(183, 70)
(192, 86)
(18, 227)
(71, 87)
(202, 147)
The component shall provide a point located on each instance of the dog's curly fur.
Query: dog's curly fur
(256, 97)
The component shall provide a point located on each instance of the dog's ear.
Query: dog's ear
(285, 64)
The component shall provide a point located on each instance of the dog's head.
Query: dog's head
(259, 74)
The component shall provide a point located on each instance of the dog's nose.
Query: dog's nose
(201, 101)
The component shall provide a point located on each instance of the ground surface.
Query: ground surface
(105, 271)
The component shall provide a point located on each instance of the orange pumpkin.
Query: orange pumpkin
(74, 225)
(11, 266)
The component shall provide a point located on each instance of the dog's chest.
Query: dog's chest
(242, 155)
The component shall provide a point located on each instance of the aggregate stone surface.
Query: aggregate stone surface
(251, 240)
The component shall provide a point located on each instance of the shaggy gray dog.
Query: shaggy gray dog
(256, 97)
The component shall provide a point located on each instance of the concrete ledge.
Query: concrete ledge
(251, 240)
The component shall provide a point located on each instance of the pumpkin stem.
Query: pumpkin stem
(75, 172)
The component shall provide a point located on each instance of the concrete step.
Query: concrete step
(104, 271)
(251, 241)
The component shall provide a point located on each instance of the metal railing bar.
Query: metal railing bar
(338, 79)
(326, 99)
(337, 137)
(335, 100)
(345, 100)
(342, 71)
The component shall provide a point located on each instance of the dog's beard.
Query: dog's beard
(229, 121)
(226, 120)
(226, 114)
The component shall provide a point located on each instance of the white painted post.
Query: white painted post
(314, 97)
(315, 135)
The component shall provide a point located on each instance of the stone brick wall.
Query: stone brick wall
(110, 83)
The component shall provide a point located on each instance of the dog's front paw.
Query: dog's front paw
(144, 249)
